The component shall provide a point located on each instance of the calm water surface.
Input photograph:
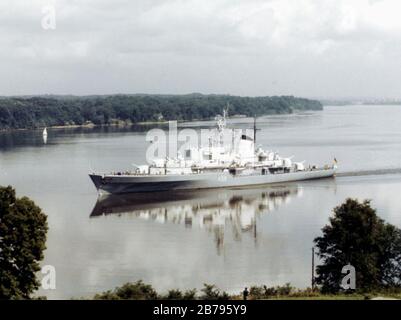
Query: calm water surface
(232, 238)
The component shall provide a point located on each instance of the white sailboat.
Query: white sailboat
(44, 134)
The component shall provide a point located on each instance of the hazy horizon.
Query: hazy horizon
(333, 49)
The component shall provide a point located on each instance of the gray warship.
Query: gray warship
(217, 165)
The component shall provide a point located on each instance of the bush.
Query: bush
(263, 292)
(130, 291)
(176, 294)
(211, 292)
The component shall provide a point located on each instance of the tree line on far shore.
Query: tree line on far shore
(46, 111)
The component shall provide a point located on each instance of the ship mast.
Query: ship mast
(254, 130)
(254, 137)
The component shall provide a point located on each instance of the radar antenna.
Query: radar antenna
(222, 120)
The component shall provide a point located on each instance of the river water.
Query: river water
(231, 238)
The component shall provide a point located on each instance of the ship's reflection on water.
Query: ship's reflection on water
(211, 210)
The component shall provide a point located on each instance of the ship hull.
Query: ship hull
(118, 184)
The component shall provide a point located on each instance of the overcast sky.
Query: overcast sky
(311, 48)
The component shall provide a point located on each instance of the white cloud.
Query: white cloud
(242, 47)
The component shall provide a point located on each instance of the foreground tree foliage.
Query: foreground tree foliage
(211, 292)
(34, 112)
(141, 291)
(23, 228)
(130, 291)
(357, 236)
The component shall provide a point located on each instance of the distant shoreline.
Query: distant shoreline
(40, 112)
(123, 124)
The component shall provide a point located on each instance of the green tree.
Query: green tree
(211, 292)
(130, 291)
(23, 228)
(357, 236)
